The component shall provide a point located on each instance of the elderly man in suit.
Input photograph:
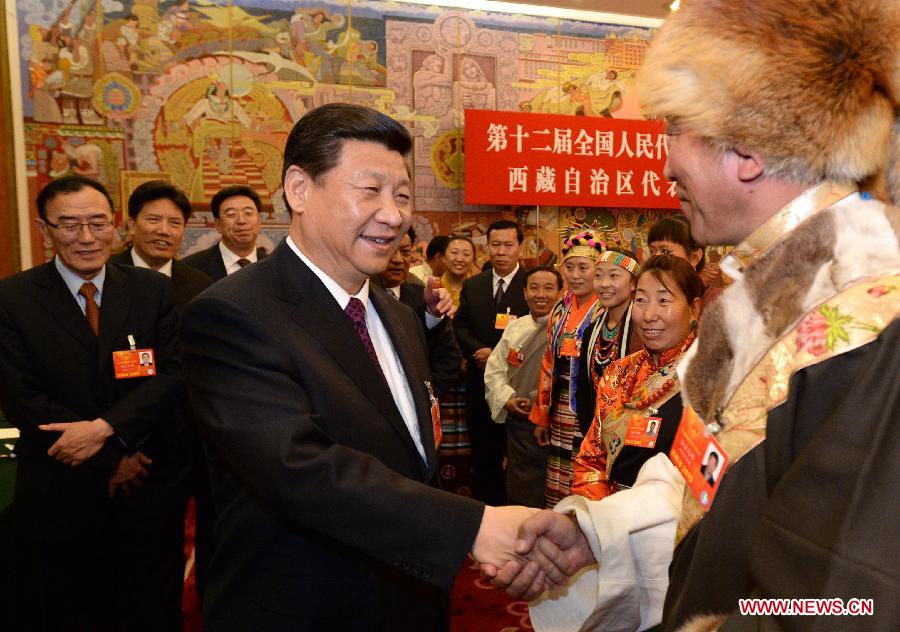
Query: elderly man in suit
(98, 533)
(443, 351)
(157, 216)
(487, 303)
(236, 210)
(314, 393)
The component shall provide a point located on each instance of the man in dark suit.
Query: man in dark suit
(97, 535)
(157, 215)
(313, 392)
(236, 210)
(443, 350)
(486, 303)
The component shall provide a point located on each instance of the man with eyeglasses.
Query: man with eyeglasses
(96, 542)
(236, 210)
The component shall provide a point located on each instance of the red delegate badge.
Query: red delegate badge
(699, 458)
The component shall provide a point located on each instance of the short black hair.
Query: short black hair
(453, 238)
(238, 189)
(68, 184)
(316, 141)
(551, 270)
(412, 234)
(437, 246)
(504, 224)
(157, 190)
(677, 230)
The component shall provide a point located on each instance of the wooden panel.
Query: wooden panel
(9, 236)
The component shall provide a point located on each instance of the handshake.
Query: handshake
(527, 551)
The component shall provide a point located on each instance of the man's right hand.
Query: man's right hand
(520, 406)
(481, 356)
(129, 474)
(556, 549)
(542, 436)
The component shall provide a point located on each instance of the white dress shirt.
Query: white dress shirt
(140, 263)
(230, 259)
(506, 280)
(384, 348)
(74, 283)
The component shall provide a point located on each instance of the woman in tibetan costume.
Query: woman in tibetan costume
(638, 401)
(554, 411)
(610, 337)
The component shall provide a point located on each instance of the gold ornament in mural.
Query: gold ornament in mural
(116, 96)
(447, 159)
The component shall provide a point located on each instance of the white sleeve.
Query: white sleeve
(632, 535)
(496, 390)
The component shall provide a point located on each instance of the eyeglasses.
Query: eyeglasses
(96, 226)
(246, 213)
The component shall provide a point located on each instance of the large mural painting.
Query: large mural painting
(204, 93)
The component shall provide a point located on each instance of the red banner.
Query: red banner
(557, 160)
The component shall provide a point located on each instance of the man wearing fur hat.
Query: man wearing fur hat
(777, 112)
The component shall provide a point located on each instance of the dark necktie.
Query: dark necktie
(242, 262)
(91, 309)
(356, 311)
(498, 297)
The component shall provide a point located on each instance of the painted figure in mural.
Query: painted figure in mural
(472, 90)
(605, 91)
(311, 46)
(360, 61)
(433, 86)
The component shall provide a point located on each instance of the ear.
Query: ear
(41, 226)
(297, 185)
(750, 164)
(696, 306)
(130, 224)
(695, 257)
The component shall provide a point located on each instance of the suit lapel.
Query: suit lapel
(317, 312)
(401, 343)
(55, 298)
(113, 312)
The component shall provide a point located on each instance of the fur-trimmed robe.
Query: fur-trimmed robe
(814, 510)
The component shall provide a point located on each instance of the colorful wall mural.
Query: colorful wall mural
(204, 93)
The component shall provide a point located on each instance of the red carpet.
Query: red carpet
(476, 606)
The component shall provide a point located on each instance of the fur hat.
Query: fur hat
(812, 85)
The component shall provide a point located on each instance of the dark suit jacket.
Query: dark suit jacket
(326, 517)
(187, 280)
(443, 350)
(210, 261)
(53, 369)
(474, 323)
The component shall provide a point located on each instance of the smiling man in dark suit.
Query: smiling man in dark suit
(98, 535)
(443, 350)
(236, 210)
(157, 216)
(314, 394)
(486, 303)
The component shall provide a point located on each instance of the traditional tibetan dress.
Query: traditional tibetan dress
(555, 406)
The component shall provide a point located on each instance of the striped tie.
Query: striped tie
(91, 309)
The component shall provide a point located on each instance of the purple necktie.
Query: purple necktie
(356, 311)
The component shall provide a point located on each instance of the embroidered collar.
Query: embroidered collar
(784, 221)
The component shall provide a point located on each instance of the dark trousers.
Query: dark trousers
(488, 444)
(107, 581)
(526, 464)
